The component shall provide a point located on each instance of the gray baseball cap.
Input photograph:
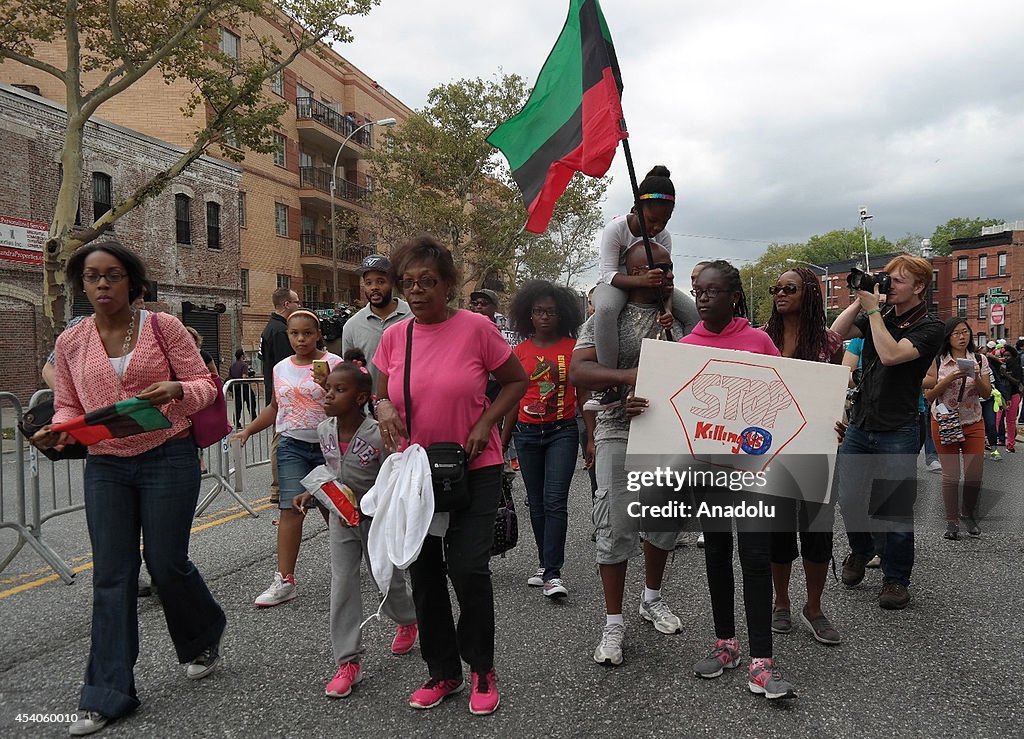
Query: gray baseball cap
(375, 263)
(488, 294)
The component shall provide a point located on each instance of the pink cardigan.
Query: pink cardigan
(86, 379)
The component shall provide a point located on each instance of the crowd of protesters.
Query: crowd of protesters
(491, 383)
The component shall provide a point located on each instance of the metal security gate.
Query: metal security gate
(207, 324)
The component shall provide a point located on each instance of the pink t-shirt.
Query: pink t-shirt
(300, 401)
(738, 334)
(451, 361)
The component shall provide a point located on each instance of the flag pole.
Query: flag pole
(640, 218)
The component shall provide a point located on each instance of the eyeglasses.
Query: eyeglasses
(711, 293)
(961, 333)
(423, 283)
(549, 312)
(787, 289)
(113, 276)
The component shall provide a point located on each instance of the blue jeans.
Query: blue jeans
(295, 460)
(547, 460)
(988, 412)
(156, 493)
(877, 490)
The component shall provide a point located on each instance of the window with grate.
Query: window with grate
(212, 225)
(281, 219)
(243, 284)
(183, 218)
(961, 268)
(280, 142)
(102, 195)
(230, 44)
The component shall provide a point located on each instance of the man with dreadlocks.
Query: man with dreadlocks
(797, 328)
(617, 541)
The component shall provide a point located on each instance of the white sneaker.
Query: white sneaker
(700, 540)
(659, 614)
(205, 663)
(935, 466)
(875, 562)
(90, 723)
(536, 580)
(609, 650)
(555, 588)
(280, 591)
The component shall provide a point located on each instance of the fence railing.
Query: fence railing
(35, 490)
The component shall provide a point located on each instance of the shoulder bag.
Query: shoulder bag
(449, 465)
(951, 431)
(506, 523)
(210, 424)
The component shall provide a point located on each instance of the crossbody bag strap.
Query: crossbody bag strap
(159, 336)
(405, 380)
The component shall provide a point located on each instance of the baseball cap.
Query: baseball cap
(488, 294)
(375, 263)
(991, 345)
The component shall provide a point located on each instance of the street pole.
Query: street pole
(388, 122)
(864, 218)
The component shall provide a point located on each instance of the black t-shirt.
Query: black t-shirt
(888, 397)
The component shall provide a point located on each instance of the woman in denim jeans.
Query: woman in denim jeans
(546, 435)
(146, 483)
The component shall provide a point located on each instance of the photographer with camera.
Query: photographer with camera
(878, 492)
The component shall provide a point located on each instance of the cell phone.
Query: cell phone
(321, 364)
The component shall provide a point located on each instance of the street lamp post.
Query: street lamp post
(824, 279)
(864, 218)
(388, 122)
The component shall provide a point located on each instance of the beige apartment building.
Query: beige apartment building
(284, 198)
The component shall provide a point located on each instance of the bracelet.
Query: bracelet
(873, 310)
(378, 401)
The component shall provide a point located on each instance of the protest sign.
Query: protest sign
(717, 409)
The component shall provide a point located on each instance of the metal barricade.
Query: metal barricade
(27, 524)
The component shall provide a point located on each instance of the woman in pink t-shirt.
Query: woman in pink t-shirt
(453, 351)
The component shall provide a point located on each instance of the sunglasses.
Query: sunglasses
(787, 289)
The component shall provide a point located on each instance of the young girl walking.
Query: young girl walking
(296, 410)
(657, 196)
(353, 452)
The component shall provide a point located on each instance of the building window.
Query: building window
(280, 219)
(212, 225)
(102, 195)
(1002, 263)
(241, 209)
(230, 45)
(961, 306)
(280, 142)
(277, 83)
(980, 339)
(389, 144)
(935, 280)
(982, 306)
(309, 294)
(369, 184)
(243, 283)
(230, 138)
(284, 281)
(983, 266)
(961, 268)
(183, 218)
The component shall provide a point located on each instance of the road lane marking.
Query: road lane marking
(88, 566)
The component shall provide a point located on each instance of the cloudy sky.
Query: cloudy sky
(778, 118)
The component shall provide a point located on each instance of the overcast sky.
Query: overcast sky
(778, 118)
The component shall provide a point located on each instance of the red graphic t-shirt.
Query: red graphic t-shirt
(549, 396)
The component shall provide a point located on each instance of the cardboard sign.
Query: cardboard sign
(730, 410)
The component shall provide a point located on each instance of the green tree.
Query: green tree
(442, 177)
(110, 45)
(959, 228)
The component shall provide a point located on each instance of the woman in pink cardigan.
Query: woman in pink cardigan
(148, 482)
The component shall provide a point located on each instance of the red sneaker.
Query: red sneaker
(405, 639)
(349, 673)
(432, 692)
(484, 700)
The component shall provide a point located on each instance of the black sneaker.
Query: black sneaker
(611, 398)
(205, 663)
(894, 596)
(853, 569)
(971, 525)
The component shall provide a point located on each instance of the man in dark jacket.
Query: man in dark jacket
(274, 346)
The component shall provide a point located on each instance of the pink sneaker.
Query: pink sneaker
(432, 692)
(341, 684)
(405, 639)
(484, 697)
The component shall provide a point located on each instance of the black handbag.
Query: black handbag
(40, 415)
(449, 466)
(506, 523)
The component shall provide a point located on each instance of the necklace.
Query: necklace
(125, 347)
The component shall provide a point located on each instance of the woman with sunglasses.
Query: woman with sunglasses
(546, 435)
(797, 327)
(722, 306)
(960, 378)
(451, 354)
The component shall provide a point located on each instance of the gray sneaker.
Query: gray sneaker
(766, 679)
(609, 651)
(659, 614)
(90, 723)
(822, 628)
(725, 656)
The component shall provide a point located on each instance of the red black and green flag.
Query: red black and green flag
(124, 418)
(573, 120)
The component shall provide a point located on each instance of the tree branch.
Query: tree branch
(118, 35)
(31, 61)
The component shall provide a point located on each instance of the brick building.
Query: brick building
(981, 270)
(284, 198)
(197, 281)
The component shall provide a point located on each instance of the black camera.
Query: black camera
(858, 279)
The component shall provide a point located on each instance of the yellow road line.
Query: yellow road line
(88, 566)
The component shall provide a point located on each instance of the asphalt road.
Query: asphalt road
(946, 666)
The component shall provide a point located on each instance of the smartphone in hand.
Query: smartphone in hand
(321, 366)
